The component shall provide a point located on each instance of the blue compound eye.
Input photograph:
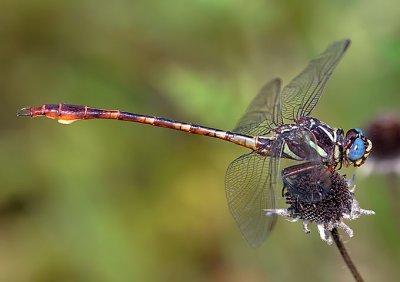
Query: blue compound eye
(359, 131)
(357, 150)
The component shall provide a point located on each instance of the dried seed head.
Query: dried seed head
(328, 211)
(337, 201)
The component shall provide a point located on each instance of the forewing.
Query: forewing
(300, 96)
(263, 112)
(249, 191)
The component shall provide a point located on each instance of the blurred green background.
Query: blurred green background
(113, 201)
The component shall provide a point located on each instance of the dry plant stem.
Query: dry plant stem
(394, 190)
(345, 255)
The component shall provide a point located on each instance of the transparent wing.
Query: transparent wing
(250, 183)
(263, 112)
(300, 96)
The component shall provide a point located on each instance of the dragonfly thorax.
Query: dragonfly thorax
(312, 140)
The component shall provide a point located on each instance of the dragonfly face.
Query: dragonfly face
(357, 147)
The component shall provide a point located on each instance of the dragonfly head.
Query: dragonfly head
(357, 147)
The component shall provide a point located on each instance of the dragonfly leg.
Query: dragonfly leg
(324, 181)
(309, 182)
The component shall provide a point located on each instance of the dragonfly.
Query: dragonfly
(276, 126)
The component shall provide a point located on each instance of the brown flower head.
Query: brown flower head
(337, 204)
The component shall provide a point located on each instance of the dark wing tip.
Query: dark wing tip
(345, 42)
(276, 80)
(256, 242)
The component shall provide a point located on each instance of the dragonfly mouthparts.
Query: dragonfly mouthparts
(24, 112)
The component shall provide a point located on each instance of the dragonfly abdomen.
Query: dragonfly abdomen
(67, 114)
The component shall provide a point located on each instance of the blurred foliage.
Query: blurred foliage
(111, 201)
